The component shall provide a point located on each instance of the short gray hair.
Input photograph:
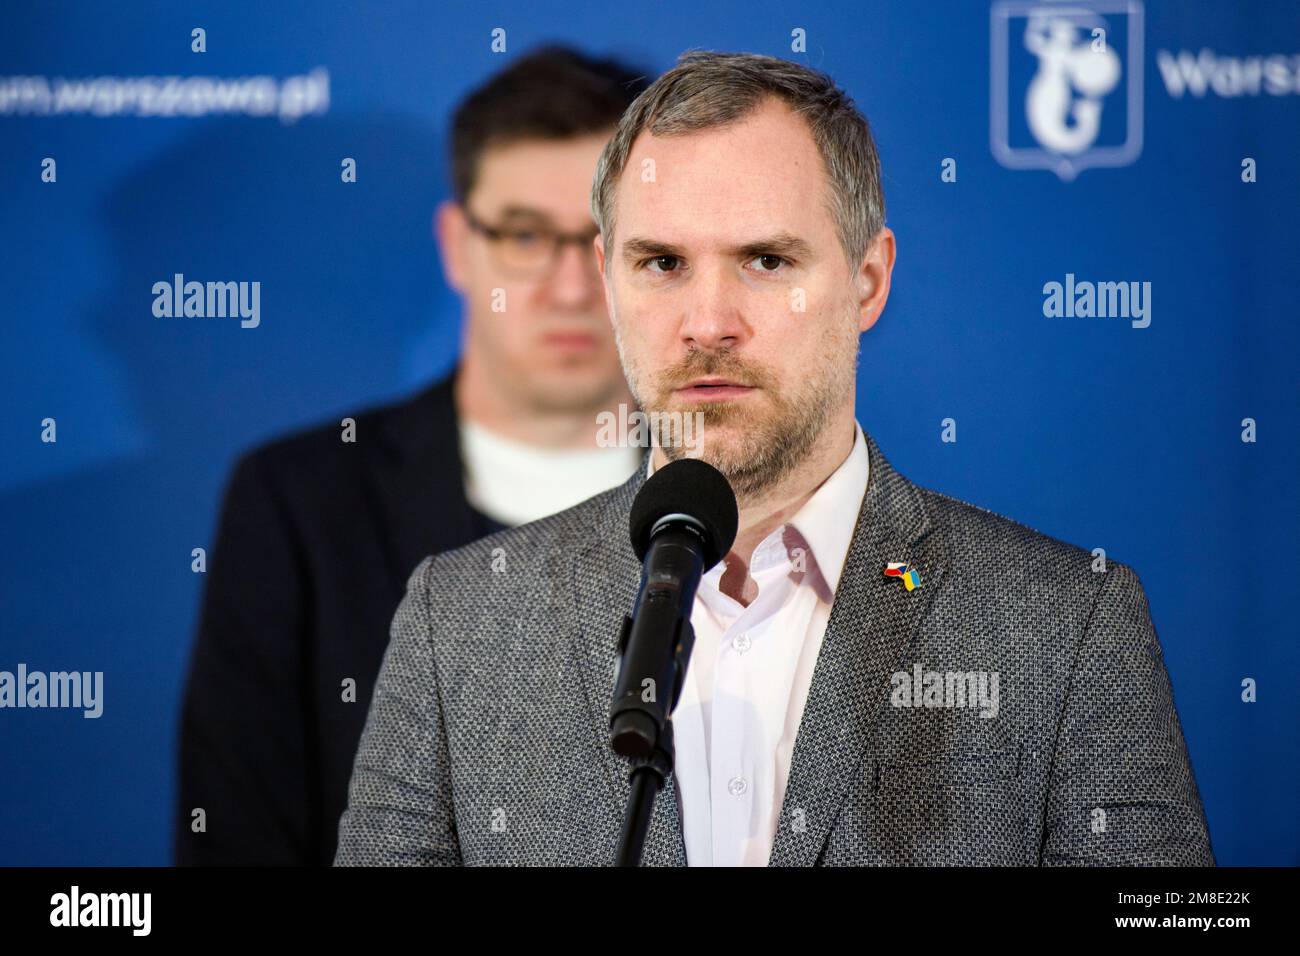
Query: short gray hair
(707, 89)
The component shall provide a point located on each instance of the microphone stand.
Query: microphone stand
(649, 771)
(646, 780)
(682, 522)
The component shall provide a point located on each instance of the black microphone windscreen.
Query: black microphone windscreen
(691, 487)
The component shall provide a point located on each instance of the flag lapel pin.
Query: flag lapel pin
(909, 576)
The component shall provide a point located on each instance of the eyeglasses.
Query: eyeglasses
(529, 252)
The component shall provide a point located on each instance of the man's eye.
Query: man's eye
(525, 238)
(665, 263)
(770, 263)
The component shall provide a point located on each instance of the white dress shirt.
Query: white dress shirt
(748, 680)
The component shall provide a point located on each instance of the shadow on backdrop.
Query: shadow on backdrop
(349, 280)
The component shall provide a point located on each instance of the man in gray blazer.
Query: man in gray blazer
(882, 675)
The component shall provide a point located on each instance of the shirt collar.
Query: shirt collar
(825, 522)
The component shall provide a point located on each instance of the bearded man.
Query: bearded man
(743, 252)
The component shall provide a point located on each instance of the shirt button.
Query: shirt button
(741, 643)
(736, 786)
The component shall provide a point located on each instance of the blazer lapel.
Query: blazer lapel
(420, 480)
(867, 636)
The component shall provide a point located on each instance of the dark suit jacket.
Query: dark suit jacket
(316, 540)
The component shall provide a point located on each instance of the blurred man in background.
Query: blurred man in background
(318, 535)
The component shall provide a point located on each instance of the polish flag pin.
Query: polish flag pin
(899, 569)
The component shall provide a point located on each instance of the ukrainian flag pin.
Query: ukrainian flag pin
(909, 576)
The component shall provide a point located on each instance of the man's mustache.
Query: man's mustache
(722, 363)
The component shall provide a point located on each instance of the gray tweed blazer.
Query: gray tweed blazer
(486, 741)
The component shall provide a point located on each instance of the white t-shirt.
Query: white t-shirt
(515, 483)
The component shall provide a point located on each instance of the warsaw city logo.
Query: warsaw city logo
(1065, 84)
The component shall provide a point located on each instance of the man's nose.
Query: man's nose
(575, 280)
(713, 317)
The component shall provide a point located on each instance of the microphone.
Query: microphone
(683, 522)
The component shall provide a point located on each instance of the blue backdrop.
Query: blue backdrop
(1089, 429)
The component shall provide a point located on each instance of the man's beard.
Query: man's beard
(772, 431)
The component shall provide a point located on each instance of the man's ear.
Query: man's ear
(873, 278)
(451, 230)
(599, 243)
(605, 285)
